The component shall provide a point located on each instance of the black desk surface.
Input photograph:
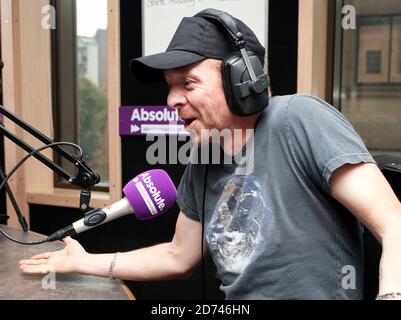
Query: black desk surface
(16, 286)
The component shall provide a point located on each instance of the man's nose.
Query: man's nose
(176, 99)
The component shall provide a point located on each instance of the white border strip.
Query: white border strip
(146, 198)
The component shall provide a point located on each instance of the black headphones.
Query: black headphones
(246, 92)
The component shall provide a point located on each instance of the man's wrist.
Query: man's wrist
(83, 264)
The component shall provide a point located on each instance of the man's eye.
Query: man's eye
(187, 82)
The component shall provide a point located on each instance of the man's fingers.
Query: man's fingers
(36, 269)
(33, 261)
(45, 255)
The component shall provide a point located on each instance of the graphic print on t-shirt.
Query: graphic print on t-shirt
(238, 225)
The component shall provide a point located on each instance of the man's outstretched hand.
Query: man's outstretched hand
(66, 260)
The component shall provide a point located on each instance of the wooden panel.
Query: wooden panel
(36, 87)
(66, 198)
(312, 47)
(10, 44)
(114, 74)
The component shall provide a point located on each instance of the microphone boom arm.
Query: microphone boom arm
(86, 178)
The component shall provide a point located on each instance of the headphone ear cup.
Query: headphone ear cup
(226, 78)
(241, 99)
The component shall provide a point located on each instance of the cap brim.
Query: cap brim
(150, 68)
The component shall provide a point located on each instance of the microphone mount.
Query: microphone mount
(85, 178)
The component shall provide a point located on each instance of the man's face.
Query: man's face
(197, 92)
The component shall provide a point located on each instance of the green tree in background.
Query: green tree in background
(92, 106)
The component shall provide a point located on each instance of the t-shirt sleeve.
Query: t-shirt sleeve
(322, 139)
(186, 194)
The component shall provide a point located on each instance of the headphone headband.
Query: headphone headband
(226, 20)
(244, 97)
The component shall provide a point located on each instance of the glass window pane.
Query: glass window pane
(370, 90)
(374, 49)
(92, 83)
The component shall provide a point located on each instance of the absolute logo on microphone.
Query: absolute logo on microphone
(150, 193)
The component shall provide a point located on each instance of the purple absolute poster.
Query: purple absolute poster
(152, 120)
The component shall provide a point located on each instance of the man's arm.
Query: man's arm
(175, 259)
(364, 190)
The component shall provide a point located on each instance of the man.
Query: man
(278, 231)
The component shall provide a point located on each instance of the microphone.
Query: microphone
(148, 195)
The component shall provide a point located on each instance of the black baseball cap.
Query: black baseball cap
(195, 39)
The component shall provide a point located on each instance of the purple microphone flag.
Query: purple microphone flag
(156, 120)
(150, 194)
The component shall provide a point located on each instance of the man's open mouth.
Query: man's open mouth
(188, 122)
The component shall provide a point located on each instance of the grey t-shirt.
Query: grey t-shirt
(275, 232)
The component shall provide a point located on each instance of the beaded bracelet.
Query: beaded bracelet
(112, 265)
(389, 296)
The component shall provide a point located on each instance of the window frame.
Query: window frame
(64, 53)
